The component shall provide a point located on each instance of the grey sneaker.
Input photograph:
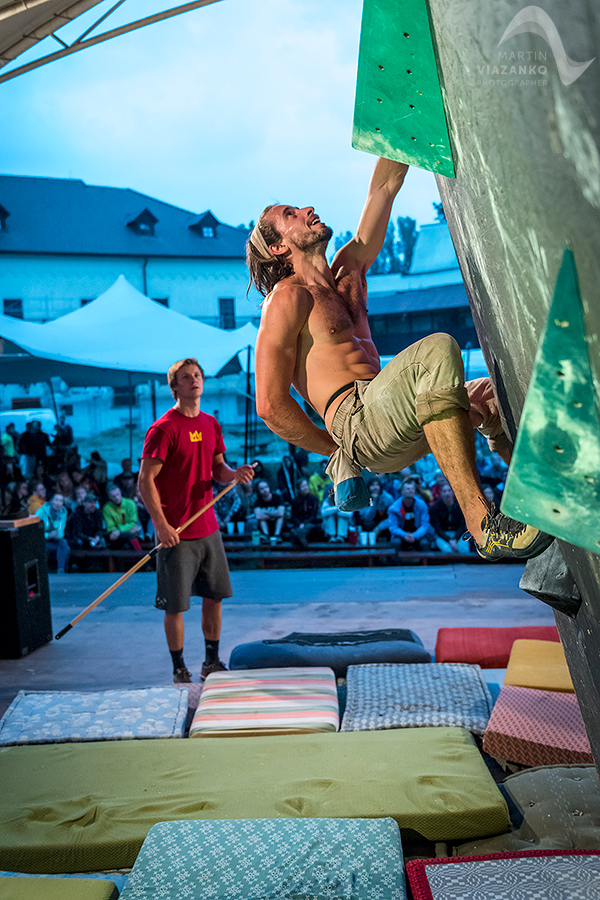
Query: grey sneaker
(504, 537)
(209, 668)
(182, 676)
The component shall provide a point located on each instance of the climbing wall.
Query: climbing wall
(520, 88)
(527, 187)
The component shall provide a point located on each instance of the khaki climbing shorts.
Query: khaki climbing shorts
(380, 423)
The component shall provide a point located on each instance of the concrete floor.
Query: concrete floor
(121, 643)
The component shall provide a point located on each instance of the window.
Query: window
(124, 396)
(226, 312)
(144, 223)
(205, 226)
(164, 301)
(13, 308)
(86, 300)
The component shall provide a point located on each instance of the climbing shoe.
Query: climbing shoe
(504, 537)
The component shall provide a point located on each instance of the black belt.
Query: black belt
(336, 395)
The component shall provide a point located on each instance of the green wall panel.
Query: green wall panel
(399, 111)
(554, 476)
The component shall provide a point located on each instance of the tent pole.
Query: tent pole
(247, 415)
(51, 386)
(130, 417)
(153, 398)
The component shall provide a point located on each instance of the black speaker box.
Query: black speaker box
(24, 591)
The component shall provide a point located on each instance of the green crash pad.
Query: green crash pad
(12, 888)
(88, 806)
(399, 111)
(554, 476)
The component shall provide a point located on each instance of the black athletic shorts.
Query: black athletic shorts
(195, 568)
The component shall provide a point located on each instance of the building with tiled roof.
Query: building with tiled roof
(430, 298)
(64, 242)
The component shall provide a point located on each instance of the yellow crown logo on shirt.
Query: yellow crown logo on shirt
(195, 436)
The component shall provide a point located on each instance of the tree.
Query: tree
(342, 239)
(396, 252)
(407, 235)
(440, 215)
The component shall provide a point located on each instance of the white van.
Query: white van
(20, 417)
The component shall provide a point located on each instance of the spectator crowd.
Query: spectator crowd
(78, 506)
(414, 509)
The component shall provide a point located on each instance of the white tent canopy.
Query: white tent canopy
(125, 331)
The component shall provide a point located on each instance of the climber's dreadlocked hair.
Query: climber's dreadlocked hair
(265, 268)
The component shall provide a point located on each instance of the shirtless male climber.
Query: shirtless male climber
(314, 335)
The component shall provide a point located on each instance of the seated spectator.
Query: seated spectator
(448, 523)
(226, 507)
(14, 434)
(375, 517)
(34, 446)
(245, 513)
(300, 457)
(287, 479)
(86, 527)
(63, 439)
(319, 482)
(76, 476)
(423, 492)
(96, 472)
(64, 486)
(392, 486)
(426, 469)
(15, 500)
(80, 493)
(258, 467)
(409, 520)
(439, 480)
(126, 480)
(269, 510)
(491, 494)
(120, 517)
(144, 517)
(304, 517)
(335, 521)
(38, 497)
(54, 517)
(493, 471)
(72, 459)
(40, 473)
(9, 455)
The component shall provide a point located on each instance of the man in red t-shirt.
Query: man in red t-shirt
(183, 452)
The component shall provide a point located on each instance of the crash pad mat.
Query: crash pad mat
(89, 806)
(258, 859)
(57, 889)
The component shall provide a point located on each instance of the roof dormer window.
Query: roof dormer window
(206, 226)
(4, 214)
(144, 223)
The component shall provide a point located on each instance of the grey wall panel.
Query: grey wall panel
(528, 183)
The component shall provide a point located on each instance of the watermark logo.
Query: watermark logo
(536, 21)
(526, 68)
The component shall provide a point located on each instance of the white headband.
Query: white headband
(260, 245)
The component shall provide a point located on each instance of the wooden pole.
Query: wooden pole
(140, 563)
